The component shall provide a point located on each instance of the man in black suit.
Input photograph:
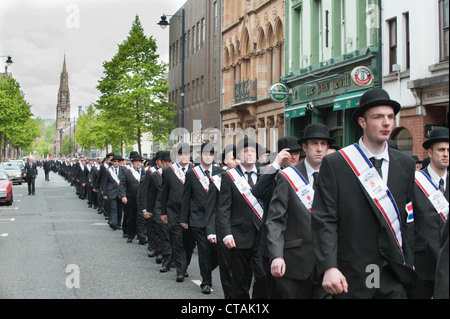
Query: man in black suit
(364, 244)
(102, 173)
(149, 205)
(429, 217)
(195, 194)
(240, 218)
(289, 219)
(212, 228)
(30, 172)
(288, 154)
(111, 195)
(128, 191)
(47, 167)
(173, 179)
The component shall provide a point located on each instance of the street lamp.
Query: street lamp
(8, 62)
(163, 24)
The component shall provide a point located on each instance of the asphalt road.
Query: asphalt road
(52, 246)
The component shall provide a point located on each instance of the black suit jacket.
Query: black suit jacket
(149, 193)
(428, 229)
(349, 232)
(236, 217)
(171, 196)
(110, 186)
(194, 199)
(289, 229)
(30, 170)
(129, 186)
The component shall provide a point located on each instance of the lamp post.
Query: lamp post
(8, 62)
(163, 24)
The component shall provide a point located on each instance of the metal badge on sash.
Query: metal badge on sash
(432, 192)
(111, 170)
(203, 179)
(301, 187)
(244, 188)
(375, 187)
(179, 172)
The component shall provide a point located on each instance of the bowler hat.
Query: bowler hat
(183, 147)
(117, 158)
(289, 142)
(245, 142)
(137, 157)
(416, 158)
(317, 131)
(157, 155)
(165, 156)
(439, 134)
(227, 149)
(371, 98)
(207, 148)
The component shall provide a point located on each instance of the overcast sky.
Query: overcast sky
(37, 34)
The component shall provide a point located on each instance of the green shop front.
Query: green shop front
(329, 92)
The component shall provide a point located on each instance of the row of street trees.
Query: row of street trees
(17, 128)
(133, 98)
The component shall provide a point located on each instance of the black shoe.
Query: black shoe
(90, 206)
(206, 289)
(143, 242)
(159, 259)
(164, 269)
(151, 253)
(186, 274)
(114, 227)
(180, 278)
(129, 240)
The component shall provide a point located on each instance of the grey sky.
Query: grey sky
(37, 33)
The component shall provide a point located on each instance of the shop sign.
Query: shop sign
(279, 92)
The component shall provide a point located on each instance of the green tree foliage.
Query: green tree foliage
(15, 116)
(134, 91)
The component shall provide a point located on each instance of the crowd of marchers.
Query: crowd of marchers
(311, 221)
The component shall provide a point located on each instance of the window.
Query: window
(407, 52)
(443, 29)
(392, 43)
(203, 32)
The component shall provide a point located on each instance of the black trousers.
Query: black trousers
(183, 244)
(166, 246)
(31, 186)
(223, 254)
(115, 207)
(205, 255)
(244, 264)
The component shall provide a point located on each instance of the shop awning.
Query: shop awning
(295, 111)
(347, 101)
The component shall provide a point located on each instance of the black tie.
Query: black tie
(249, 178)
(377, 164)
(207, 173)
(183, 169)
(316, 176)
(441, 185)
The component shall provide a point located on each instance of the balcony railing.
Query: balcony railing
(245, 91)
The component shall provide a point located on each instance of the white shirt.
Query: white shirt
(384, 155)
(253, 175)
(436, 178)
(309, 172)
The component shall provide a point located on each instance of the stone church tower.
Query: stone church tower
(62, 107)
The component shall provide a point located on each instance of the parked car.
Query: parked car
(14, 171)
(6, 192)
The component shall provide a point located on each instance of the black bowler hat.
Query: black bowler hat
(289, 142)
(374, 97)
(183, 148)
(416, 158)
(227, 149)
(117, 158)
(157, 155)
(137, 157)
(207, 148)
(245, 142)
(165, 156)
(439, 134)
(317, 131)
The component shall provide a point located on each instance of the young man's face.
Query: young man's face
(165, 163)
(378, 123)
(116, 163)
(248, 155)
(136, 164)
(438, 153)
(315, 150)
(207, 158)
(230, 161)
(183, 158)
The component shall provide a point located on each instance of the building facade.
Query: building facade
(198, 100)
(332, 58)
(416, 68)
(253, 60)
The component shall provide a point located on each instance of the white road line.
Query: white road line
(4, 235)
(7, 219)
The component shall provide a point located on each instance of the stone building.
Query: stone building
(252, 60)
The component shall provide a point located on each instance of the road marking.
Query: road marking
(4, 235)
(99, 224)
(8, 219)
